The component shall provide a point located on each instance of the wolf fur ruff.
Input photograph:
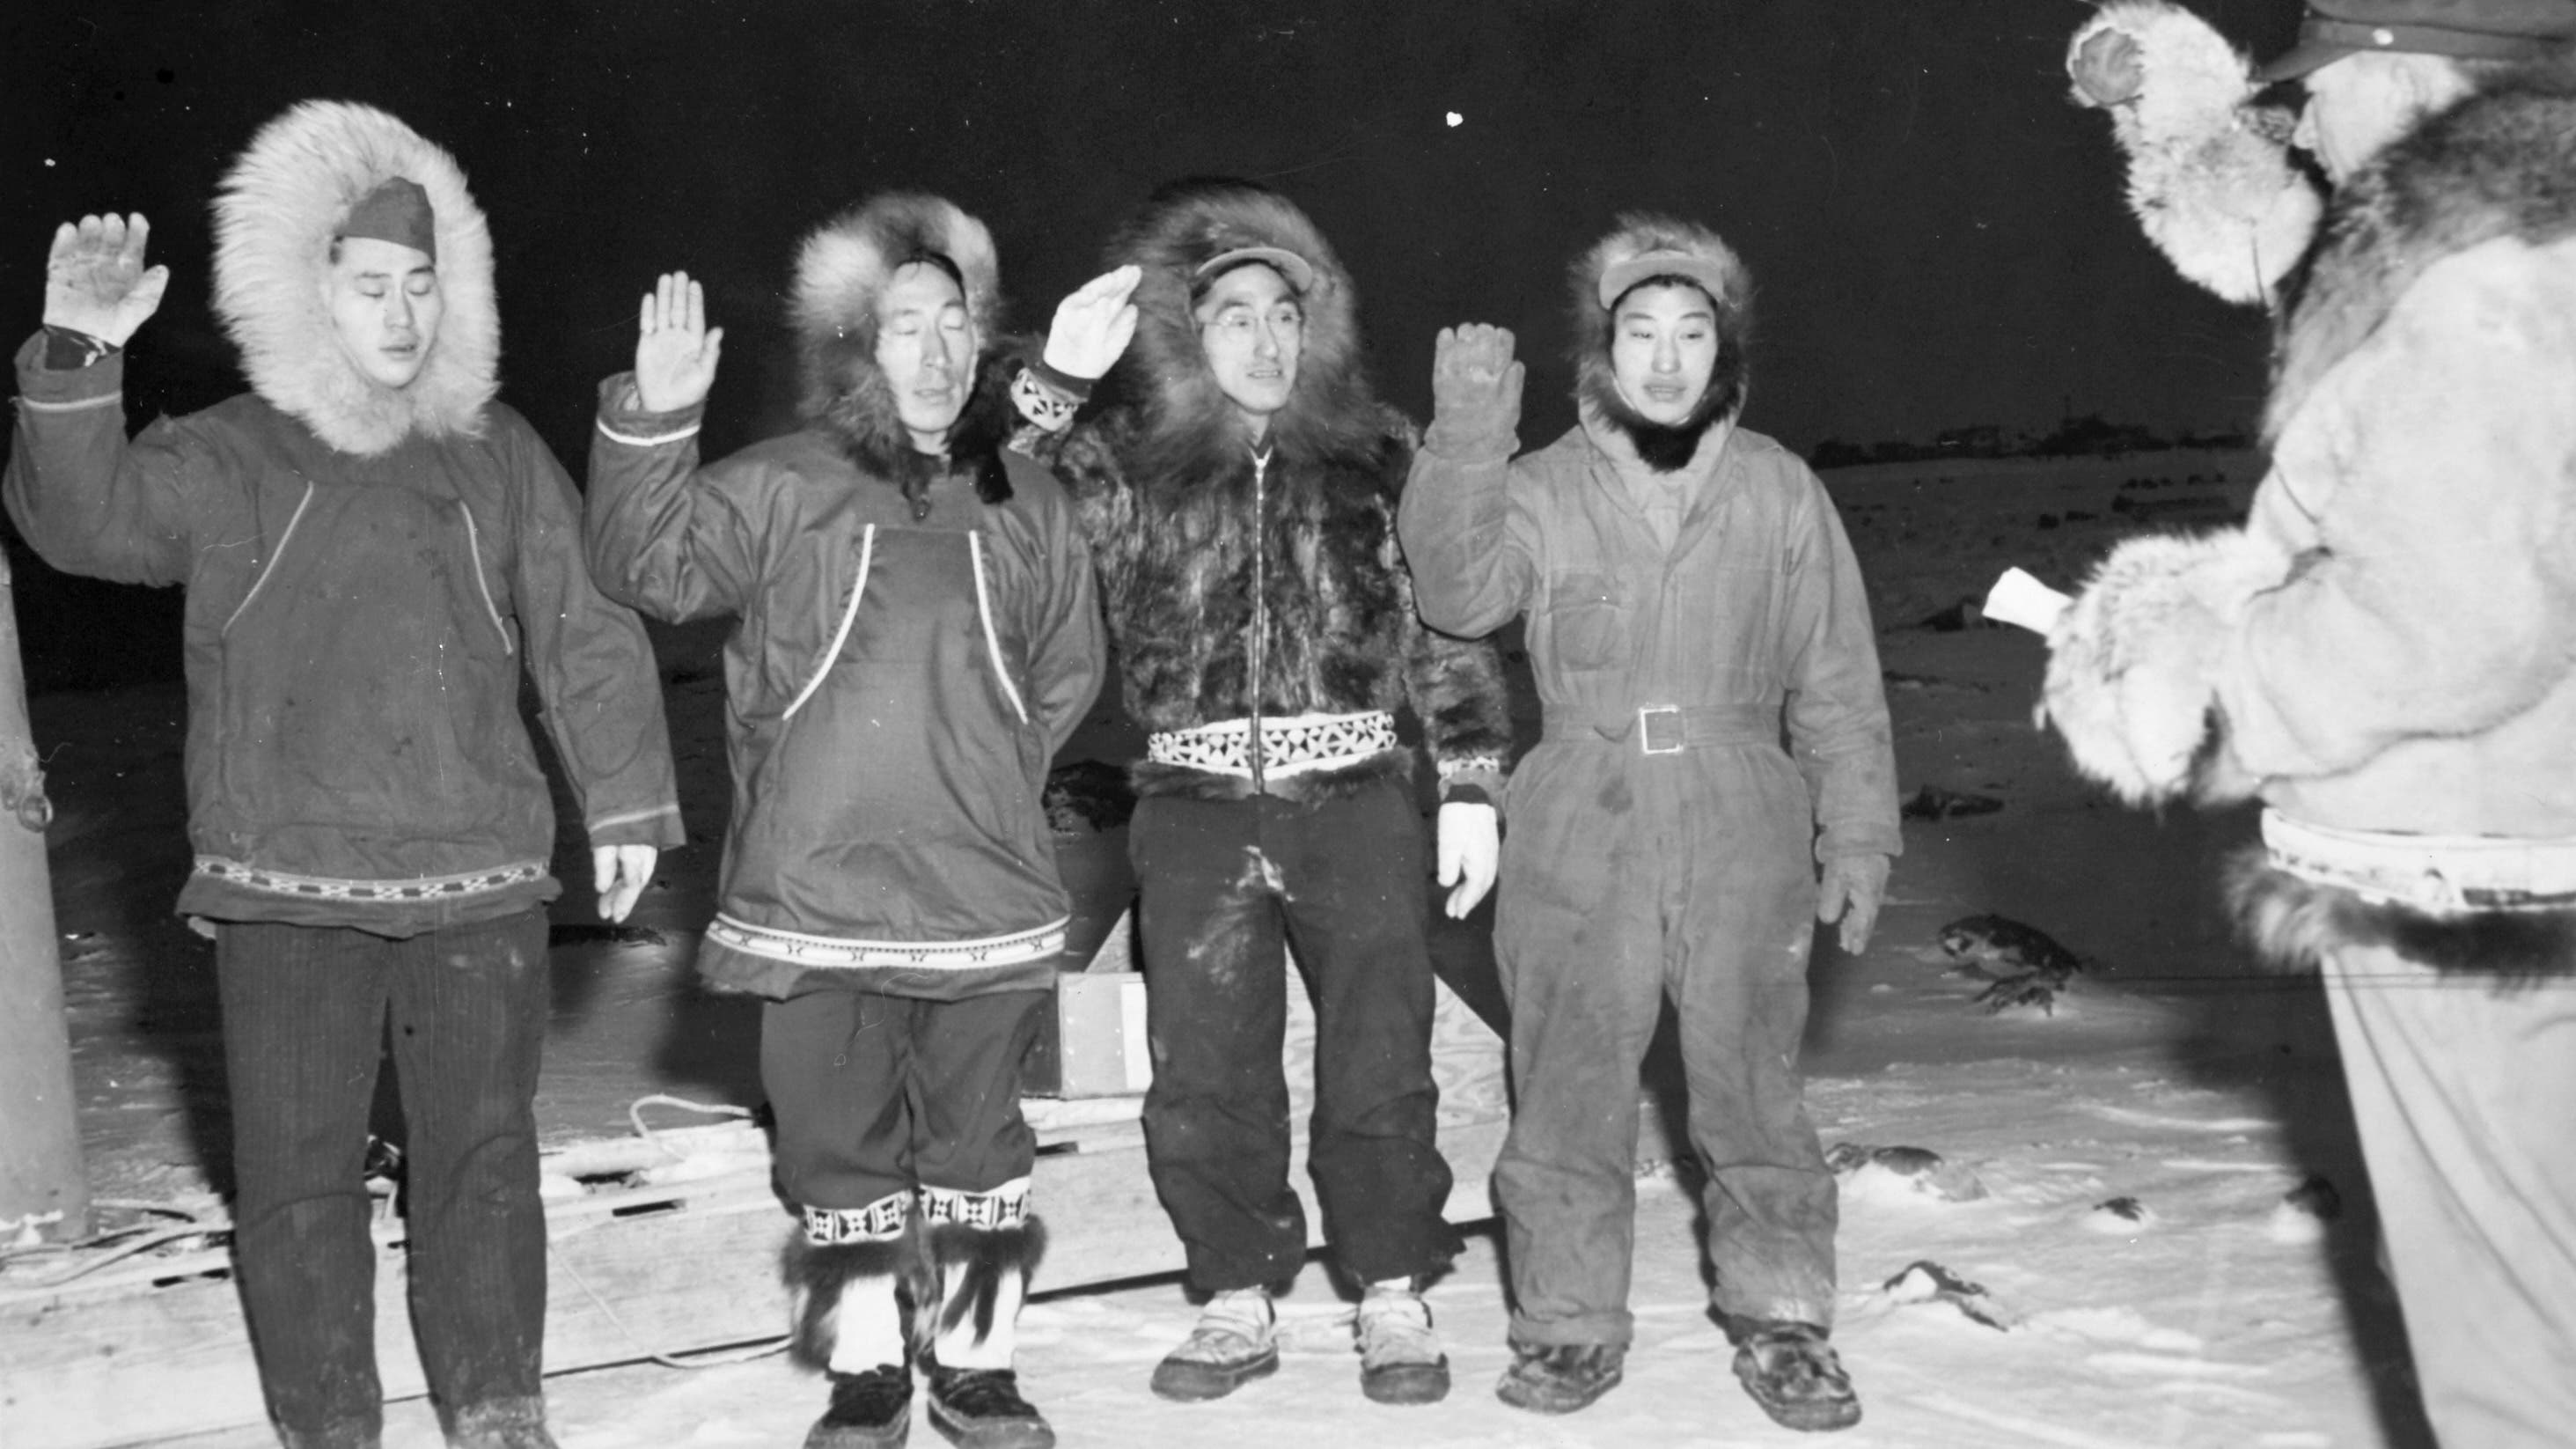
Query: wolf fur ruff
(1331, 411)
(1663, 446)
(2493, 166)
(842, 269)
(276, 215)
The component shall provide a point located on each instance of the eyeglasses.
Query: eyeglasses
(1240, 324)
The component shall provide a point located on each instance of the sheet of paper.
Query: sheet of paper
(2017, 598)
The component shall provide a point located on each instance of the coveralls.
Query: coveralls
(1714, 725)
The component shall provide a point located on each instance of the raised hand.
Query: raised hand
(1093, 324)
(1475, 382)
(95, 280)
(2105, 67)
(675, 350)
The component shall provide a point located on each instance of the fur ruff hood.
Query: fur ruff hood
(275, 218)
(2495, 165)
(841, 270)
(1596, 387)
(1186, 426)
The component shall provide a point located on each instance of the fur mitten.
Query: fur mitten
(2132, 661)
(2210, 176)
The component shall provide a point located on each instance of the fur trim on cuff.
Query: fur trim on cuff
(2291, 923)
(984, 1256)
(816, 1275)
(2210, 176)
(2130, 684)
(275, 218)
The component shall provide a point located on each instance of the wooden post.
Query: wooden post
(43, 1183)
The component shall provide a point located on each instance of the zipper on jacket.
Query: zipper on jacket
(984, 612)
(840, 636)
(1260, 608)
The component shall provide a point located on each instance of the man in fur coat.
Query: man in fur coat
(918, 635)
(2382, 653)
(1715, 734)
(374, 549)
(1237, 480)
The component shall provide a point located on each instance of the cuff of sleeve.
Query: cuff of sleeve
(68, 349)
(1480, 438)
(624, 419)
(46, 387)
(1474, 781)
(655, 825)
(1076, 388)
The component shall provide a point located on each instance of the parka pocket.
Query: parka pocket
(1587, 623)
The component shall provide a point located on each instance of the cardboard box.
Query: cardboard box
(1092, 1043)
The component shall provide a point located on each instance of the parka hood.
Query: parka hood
(841, 271)
(275, 218)
(1331, 410)
(1703, 259)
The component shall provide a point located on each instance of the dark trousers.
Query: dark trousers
(876, 1095)
(306, 1017)
(1344, 881)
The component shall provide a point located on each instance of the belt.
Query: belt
(1671, 729)
(2439, 874)
(1290, 744)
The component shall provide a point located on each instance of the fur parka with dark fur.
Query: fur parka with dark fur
(1162, 470)
(2383, 647)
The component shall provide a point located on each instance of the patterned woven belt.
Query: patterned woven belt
(1293, 745)
(2439, 874)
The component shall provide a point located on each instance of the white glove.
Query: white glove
(1471, 850)
(619, 874)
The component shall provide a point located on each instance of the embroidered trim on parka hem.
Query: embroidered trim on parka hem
(329, 888)
(829, 951)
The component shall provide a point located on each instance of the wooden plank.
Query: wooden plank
(155, 1347)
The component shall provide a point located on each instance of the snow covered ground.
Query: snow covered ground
(2117, 1169)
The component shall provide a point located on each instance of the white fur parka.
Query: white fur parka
(2389, 643)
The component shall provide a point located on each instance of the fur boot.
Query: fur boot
(970, 1341)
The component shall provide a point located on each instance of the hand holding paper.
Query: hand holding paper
(2017, 598)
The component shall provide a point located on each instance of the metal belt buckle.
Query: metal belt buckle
(1659, 730)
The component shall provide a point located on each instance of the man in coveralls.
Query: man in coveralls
(1715, 731)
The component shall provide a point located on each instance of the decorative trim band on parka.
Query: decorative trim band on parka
(2381, 650)
(916, 636)
(1212, 556)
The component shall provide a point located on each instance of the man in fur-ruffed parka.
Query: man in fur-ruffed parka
(1716, 739)
(1237, 480)
(917, 635)
(2382, 653)
(374, 551)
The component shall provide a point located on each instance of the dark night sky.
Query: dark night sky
(1936, 233)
